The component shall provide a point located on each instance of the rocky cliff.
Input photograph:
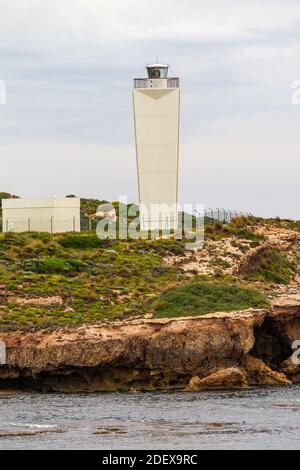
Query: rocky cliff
(212, 351)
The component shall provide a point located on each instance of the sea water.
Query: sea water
(256, 418)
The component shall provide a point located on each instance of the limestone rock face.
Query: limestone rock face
(182, 345)
(141, 354)
(218, 350)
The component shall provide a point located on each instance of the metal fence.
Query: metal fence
(222, 215)
(50, 225)
(75, 224)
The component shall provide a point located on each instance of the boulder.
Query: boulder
(258, 373)
(232, 377)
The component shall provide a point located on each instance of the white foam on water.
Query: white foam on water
(33, 426)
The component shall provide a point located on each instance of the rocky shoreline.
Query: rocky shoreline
(215, 351)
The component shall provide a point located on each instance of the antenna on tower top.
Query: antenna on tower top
(157, 59)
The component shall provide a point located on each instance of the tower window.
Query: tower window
(157, 72)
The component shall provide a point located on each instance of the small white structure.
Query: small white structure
(156, 105)
(55, 215)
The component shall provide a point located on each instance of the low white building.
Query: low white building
(54, 215)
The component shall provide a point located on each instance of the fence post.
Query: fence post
(6, 225)
(29, 224)
(51, 225)
(74, 224)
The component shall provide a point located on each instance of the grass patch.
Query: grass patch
(68, 267)
(81, 242)
(271, 265)
(235, 228)
(113, 281)
(203, 298)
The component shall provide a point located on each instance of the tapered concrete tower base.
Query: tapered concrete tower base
(156, 105)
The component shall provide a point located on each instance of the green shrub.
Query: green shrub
(42, 236)
(271, 265)
(236, 228)
(162, 247)
(245, 234)
(54, 265)
(241, 221)
(81, 242)
(202, 298)
(12, 239)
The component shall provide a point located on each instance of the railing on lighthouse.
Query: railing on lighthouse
(171, 82)
(157, 78)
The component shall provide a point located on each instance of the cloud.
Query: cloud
(68, 67)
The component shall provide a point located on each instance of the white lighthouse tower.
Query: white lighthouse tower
(156, 104)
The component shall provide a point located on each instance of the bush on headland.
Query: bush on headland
(206, 297)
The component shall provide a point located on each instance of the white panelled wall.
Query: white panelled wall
(53, 215)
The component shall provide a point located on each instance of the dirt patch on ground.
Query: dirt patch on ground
(216, 255)
(40, 301)
(233, 255)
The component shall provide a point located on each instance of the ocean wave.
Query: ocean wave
(33, 425)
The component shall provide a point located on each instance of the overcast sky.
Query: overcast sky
(67, 125)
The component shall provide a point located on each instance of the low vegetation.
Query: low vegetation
(205, 297)
(239, 227)
(94, 279)
(271, 265)
(280, 223)
(74, 278)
